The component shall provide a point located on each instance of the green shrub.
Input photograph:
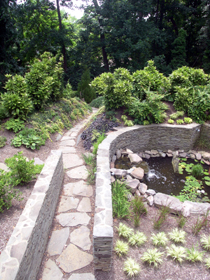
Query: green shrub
(170, 121)
(187, 120)
(151, 109)
(14, 124)
(121, 248)
(3, 141)
(84, 89)
(117, 92)
(98, 102)
(99, 84)
(137, 239)
(16, 100)
(7, 192)
(125, 231)
(131, 268)
(153, 257)
(22, 170)
(44, 80)
(176, 115)
(179, 121)
(150, 78)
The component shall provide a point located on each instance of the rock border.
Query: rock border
(162, 137)
(22, 257)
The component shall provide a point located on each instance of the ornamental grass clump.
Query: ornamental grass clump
(177, 236)
(159, 239)
(153, 257)
(205, 242)
(137, 239)
(121, 248)
(177, 253)
(124, 231)
(194, 255)
(207, 262)
(131, 268)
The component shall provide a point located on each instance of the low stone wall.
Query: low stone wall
(23, 254)
(136, 138)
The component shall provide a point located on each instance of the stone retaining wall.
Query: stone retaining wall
(136, 138)
(23, 254)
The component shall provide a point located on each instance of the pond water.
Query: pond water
(159, 174)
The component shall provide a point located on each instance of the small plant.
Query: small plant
(194, 255)
(131, 268)
(121, 248)
(3, 141)
(14, 124)
(126, 121)
(176, 253)
(187, 120)
(197, 170)
(22, 171)
(7, 192)
(124, 231)
(205, 242)
(163, 213)
(96, 144)
(146, 122)
(137, 239)
(179, 121)
(89, 158)
(153, 257)
(207, 262)
(159, 239)
(120, 202)
(181, 221)
(196, 228)
(178, 236)
(138, 209)
(176, 115)
(170, 121)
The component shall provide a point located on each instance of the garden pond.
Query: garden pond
(160, 176)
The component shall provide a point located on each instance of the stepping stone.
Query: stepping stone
(73, 219)
(71, 160)
(78, 173)
(78, 188)
(84, 205)
(82, 276)
(73, 258)
(57, 241)
(51, 271)
(81, 238)
(68, 150)
(67, 203)
(69, 143)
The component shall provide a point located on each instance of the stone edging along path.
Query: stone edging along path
(162, 137)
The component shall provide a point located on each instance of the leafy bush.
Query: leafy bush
(14, 124)
(16, 100)
(22, 170)
(7, 192)
(99, 84)
(98, 142)
(170, 121)
(197, 170)
(44, 80)
(30, 138)
(3, 141)
(187, 120)
(117, 89)
(151, 109)
(84, 89)
(98, 102)
(179, 121)
(185, 77)
(176, 115)
(150, 78)
(159, 239)
(178, 236)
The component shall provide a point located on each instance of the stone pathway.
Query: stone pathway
(70, 243)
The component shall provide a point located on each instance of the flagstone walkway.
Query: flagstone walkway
(70, 245)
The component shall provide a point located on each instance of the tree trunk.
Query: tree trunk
(102, 37)
(63, 48)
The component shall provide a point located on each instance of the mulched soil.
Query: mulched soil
(169, 269)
